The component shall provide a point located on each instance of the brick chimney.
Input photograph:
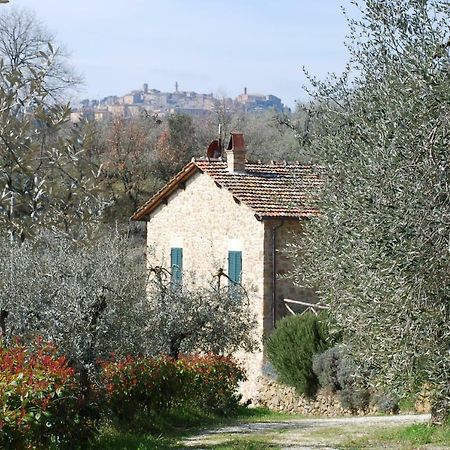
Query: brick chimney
(236, 153)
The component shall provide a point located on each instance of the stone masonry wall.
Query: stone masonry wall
(278, 397)
(282, 398)
(206, 222)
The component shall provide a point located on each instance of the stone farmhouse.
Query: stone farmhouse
(239, 216)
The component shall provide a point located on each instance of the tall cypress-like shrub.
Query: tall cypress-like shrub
(291, 347)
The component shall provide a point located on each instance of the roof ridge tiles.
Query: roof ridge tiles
(271, 190)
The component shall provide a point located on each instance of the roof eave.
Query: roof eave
(284, 217)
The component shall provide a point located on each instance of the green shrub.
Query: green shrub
(40, 404)
(354, 398)
(326, 366)
(387, 403)
(290, 348)
(336, 372)
(354, 395)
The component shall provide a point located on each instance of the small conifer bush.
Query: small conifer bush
(291, 347)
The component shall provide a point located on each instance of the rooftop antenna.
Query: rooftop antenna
(215, 147)
(220, 139)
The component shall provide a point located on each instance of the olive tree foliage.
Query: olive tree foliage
(46, 180)
(86, 298)
(188, 317)
(379, 252)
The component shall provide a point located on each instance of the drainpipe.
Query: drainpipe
(274, 272)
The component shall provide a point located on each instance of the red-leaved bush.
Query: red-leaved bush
(41, 405)
(213, 382)
(39, 398)
(134, 384)
(208, 382)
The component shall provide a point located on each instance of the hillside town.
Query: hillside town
(155, 102)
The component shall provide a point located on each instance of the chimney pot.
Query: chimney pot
(236, 153)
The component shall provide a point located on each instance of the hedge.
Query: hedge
(42, 405)
(40, 402)
(208, 382)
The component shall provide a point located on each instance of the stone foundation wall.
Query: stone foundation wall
(282, 398)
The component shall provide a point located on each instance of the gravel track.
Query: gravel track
(303, 434)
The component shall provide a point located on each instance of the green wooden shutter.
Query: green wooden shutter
(176, 263)
(235, 266)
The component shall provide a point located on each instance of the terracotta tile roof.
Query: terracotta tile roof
(270, 190)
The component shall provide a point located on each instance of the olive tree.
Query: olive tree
(93, 298)
(186, 317)
(88, 299)
(379, 252)
(46, 180)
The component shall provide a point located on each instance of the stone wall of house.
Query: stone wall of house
(207, 222)
(278, 397)
(286, 232)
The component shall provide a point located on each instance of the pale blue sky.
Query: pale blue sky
(206, 45)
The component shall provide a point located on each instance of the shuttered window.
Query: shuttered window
(176, 263)
(235, 266)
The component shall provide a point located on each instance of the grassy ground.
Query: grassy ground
(133, 442)
(245, 444)
(164, 432)
(409, 437)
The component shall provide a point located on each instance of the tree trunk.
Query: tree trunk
(440, 409)
(3, 317)
(85, 384)
(174, 347)
(175, 344)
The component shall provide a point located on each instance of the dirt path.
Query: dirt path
(302, 434)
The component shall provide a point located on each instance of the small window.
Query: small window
(176, 264)
(235, 266)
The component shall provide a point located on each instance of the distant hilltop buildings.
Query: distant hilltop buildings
(154, 102)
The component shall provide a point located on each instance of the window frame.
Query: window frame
(176, 266)
(235, 266)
